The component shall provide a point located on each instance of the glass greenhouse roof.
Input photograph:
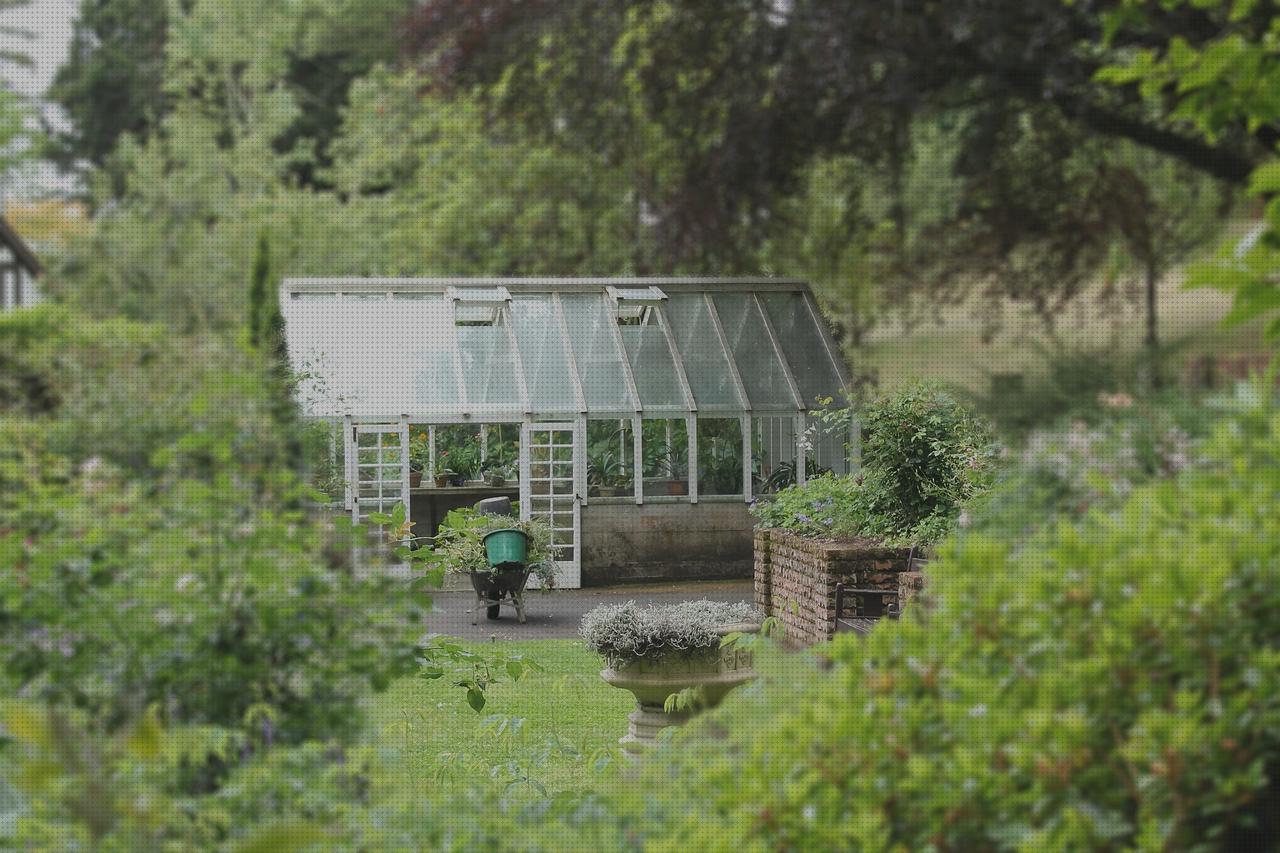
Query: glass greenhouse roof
(506, 349)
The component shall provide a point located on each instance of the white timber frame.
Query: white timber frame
(541, 436)
(382, 463)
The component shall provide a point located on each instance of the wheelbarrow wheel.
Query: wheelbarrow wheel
(494, 611)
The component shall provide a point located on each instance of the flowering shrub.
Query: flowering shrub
(1078, 466)
(827, 505)
(1107, 460)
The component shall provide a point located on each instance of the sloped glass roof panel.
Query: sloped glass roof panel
(589, 317)
(376, 349)
(762, 373)
(489, 367)
(545, 353)
(372, 356)
(653, 367)
(705, 361)
(802, 342)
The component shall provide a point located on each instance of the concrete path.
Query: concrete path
(558, 613)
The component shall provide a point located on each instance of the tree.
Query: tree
(1215, 84)
(718, 111)
(263, 306)
(112, 82)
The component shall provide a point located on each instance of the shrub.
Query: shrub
(825, 506)
(1078, 465)
(1067, 382)
(924, 456)
(626, 631)
(1115, 685)
(194, 581)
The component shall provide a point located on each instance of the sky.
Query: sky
(50, 22)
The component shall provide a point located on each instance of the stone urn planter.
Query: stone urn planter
(658, 652)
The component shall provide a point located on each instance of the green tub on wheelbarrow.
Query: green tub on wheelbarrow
(506, 552)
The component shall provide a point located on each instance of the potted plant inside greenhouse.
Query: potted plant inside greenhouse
(466, 463)
(493, 474)
(419, 458)
(678, 467)
(606, 473)
(665, 452)
(499, 465)
(676, 659)
(720, 460)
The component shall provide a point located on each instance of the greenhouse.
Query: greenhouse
(640, 417)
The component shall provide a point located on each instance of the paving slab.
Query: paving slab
(558, 613)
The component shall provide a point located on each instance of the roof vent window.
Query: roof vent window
(633, 306)
(478, 306)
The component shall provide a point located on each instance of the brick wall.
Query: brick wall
(796, 577)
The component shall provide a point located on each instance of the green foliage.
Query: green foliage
(171, 561)
(609, 446)
(664, 443)
(458, 546)
(475, 672)
(825, 506)
(420, 450)
(265, 321)
(1221, 81)
(924, 457)
(1112, 683)
(112, 83)
(461, 457)
(431, 774)
(1080, 466)
(719, 456)
(924, 454)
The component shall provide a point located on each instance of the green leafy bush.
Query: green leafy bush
(194, 580)
(923, 455)
(825, 506)
(1112, 684)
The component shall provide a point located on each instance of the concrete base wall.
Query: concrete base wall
(665, 541)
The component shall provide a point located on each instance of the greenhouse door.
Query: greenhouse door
(549, 491)
(377, 468)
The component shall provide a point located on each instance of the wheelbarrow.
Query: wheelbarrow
(508, 573)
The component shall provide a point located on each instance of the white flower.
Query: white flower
(184, 582)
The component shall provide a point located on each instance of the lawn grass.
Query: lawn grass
(951, 349)
(559, 723)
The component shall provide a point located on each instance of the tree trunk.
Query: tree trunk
(1152, 340)
(1153, 280)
